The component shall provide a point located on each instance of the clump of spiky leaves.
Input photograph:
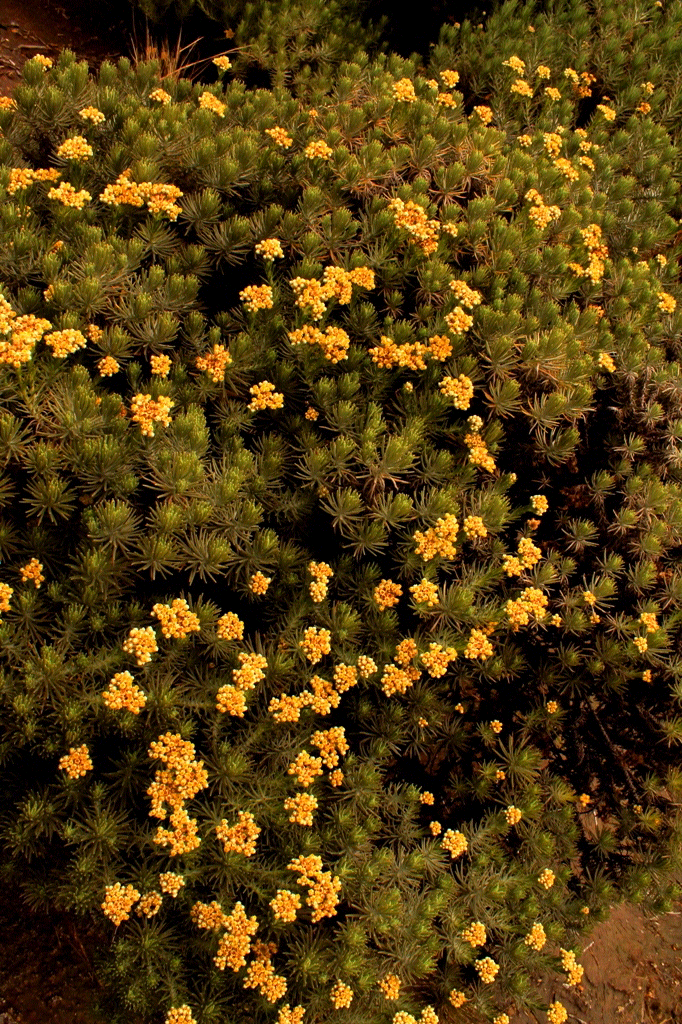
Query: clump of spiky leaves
(373, 421)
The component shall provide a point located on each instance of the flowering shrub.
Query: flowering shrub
(340, 588)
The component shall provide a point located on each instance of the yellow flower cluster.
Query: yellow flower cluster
(288, 1016)
(180, 1015)
(230, 698)
(108, 366)
(176, 619)
(181, 780)
(387, 594)
(33, 570)
(521, 87)
(598, 252)
(398, 680)
(366, 666)
(141, 643)
(546, 878)
(390, 986)
(279, 136)
(553, 93)
(171, 883)
(455, 843)
(487, 969)
(539, 213)
(641, 644)
(333, 341)
(516, 64)
(438, 539)
(321, 573)
(531, 604)
(123, 695)
(345, 677)
(458, 321)
(425, 592)
(270, 249)
(230, 627)
(318, 149)
(457, 998)
(222, 63)
(285, 905)
(437, 659)
(496, 726)
(67, 195)
(527, 555)
(21, 177)
(415, 220)
(608, 112)
(478, 645)
(77, 762)
(209, 916)
(666, 302)
(649, 620)
(5, 594)
(63, 343)
(566, 168)
(147, 411)
(75, 148)
(258, 583)
(475, 934)
(25, 332)
(311, 414)
(207, 101)
(502, 1018)
(260, 973)
(323, 887)
(341, 995)
(485, 113)
(160, 365)
(466, 295)
(539, 503)
(556, 1013)
(301, 806)
(573, 969)
(439, 347)
(406, 651)
(478, 452)
(150, 904)
(92, 114)
(459, 389)
(264, 396)
(450, 78)
(239, 838)
(553, 143)
(513, 815)
(159, 198)
(428, 1016)
(605, 361)
(315, 643)
(474, 527)
(214, 363)
(331, 743)
(7, 103)
(536, 937)
(403, 90)
(306, 768)
(119, 900)
(257, 296)
(235, 944)
(160, 96)
(388, 354)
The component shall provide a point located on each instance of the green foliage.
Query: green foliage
(488, 469)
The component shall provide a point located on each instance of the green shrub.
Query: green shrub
(488, 468)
